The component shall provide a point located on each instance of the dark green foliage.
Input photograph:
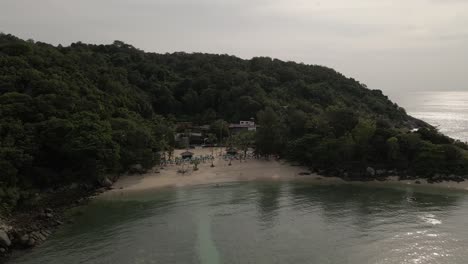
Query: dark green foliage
(220, 128)
(341, 120)
(434, 136)
(366, 144)
(69, 114)
(243, 141)
(269, 136)
(79, 112)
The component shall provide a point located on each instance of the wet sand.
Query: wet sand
(252, 169)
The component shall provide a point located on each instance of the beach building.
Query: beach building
(186, 155)
(243, 126)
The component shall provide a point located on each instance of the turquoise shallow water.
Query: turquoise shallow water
(261, 222)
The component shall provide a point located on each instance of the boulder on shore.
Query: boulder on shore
(381, 172)
(4, 239)
(370, 171)
(105, 182)
(31, 242)
(24, 240)
(137, 168)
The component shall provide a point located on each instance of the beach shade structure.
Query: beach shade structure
(186, 155)
(231, 151)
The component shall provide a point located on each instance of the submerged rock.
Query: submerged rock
(24, 240)
(45, 232)
(4, 239)
(31, 242)
(38, 236)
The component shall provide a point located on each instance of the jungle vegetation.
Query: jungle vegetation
(77, 113)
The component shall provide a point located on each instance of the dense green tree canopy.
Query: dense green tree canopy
(82, 111)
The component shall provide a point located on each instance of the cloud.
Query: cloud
(389, 44)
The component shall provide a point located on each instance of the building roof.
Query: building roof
(204, 127)
(241, 125)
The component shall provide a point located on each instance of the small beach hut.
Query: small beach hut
(186, 155)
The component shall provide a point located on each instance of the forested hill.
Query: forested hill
(82, 111)
(196, 87)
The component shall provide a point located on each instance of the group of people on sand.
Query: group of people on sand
(248, 155)
(195, 160)
(180, 161)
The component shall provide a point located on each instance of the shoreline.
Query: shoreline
(30, 226)
(41, 222)
(250, 170)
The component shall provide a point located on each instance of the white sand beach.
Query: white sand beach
(251, 169)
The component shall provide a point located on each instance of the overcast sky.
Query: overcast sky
(392, 45)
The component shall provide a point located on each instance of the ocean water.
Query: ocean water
(266, 223)
(447, 110)
(278, 222)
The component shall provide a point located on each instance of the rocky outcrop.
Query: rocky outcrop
(24, 240)
(33, 225)
(370, 171)
(136, 168)
(105, 182)
(440, 177)
(4, 239)
(381, 172)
